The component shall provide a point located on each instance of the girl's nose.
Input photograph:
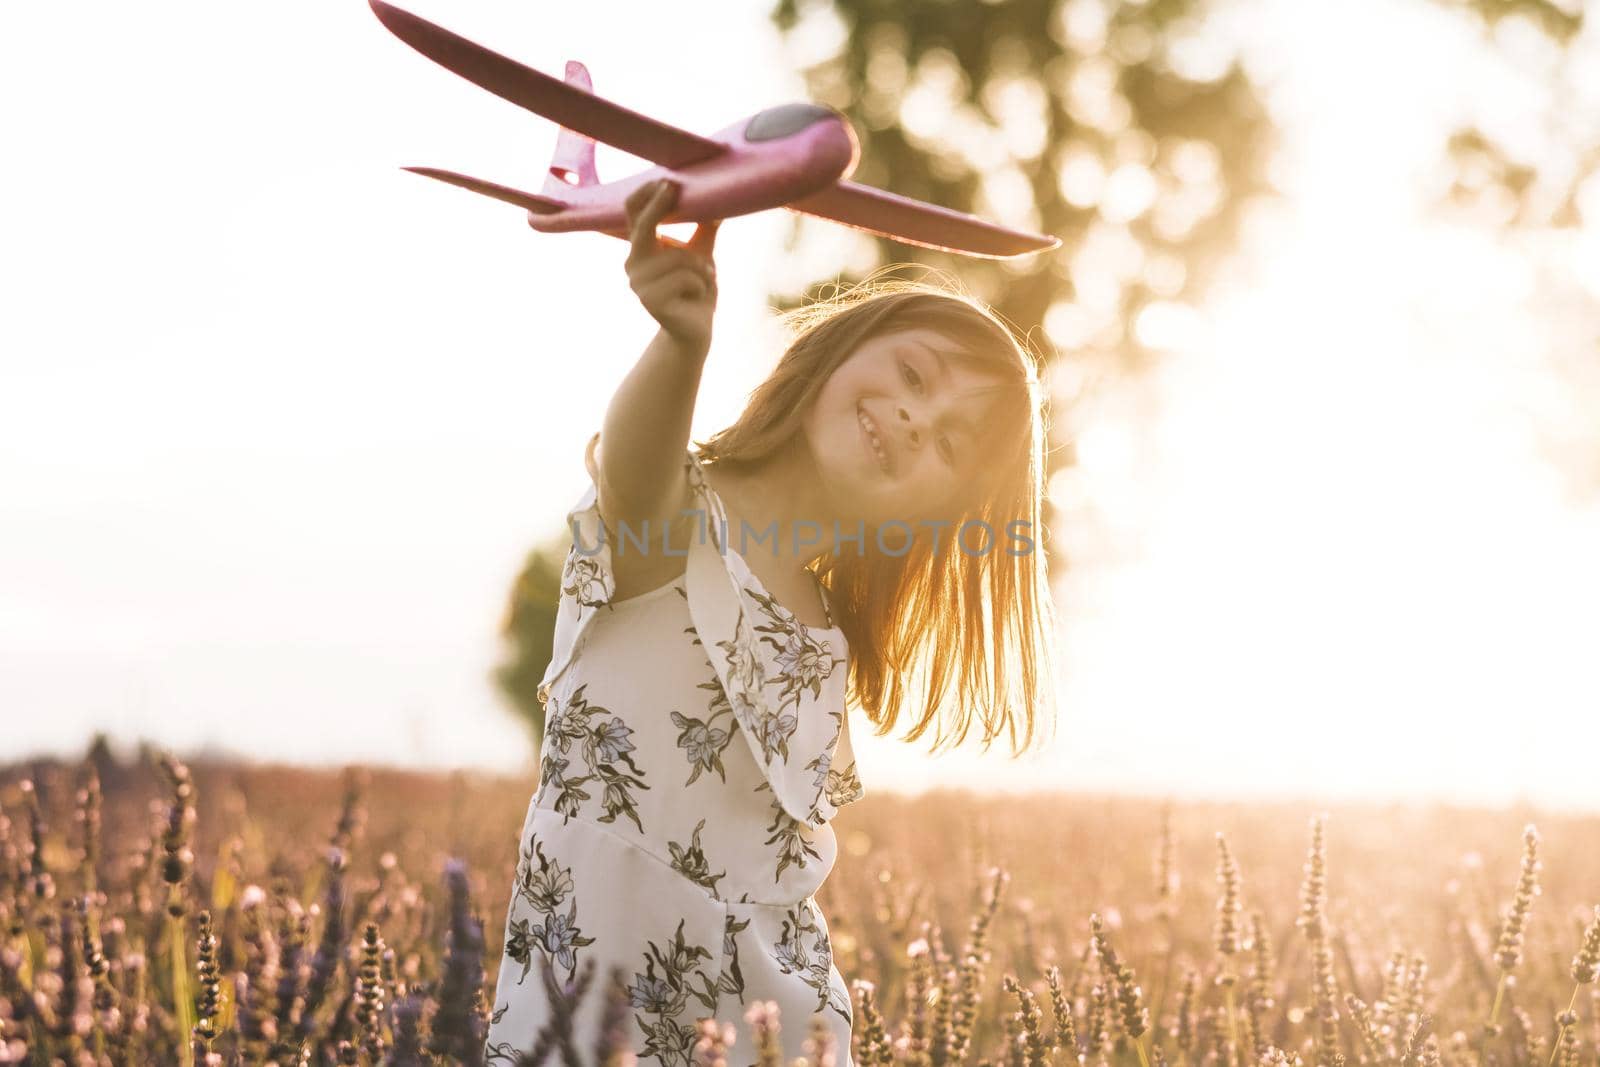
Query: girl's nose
(914, 437)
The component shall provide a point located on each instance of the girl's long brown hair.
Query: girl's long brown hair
(920, 619)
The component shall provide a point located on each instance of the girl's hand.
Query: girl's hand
(676, 283)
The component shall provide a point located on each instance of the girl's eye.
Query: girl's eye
(947, 450)
(911, 375)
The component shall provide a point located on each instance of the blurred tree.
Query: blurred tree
(1532, 173)
(528, 630)
(1539, 182)
(1561, 21)
(1129, 130)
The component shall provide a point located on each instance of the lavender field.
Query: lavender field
(158, 912)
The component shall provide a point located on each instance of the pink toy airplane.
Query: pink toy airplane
(794, 156)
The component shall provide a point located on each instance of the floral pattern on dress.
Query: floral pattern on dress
(690, 861)
(670, 1037)
(603, 743)
(702, 739)
(732, 981)
(543, 889)
(652, 830)
(844, 787)
(839, 787)
(813, 962)
(788, 833)
(582, 579)
(771, 720)
(804, 663)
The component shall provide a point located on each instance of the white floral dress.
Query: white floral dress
(696, 748)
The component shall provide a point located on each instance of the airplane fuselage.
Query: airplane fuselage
(772, 158)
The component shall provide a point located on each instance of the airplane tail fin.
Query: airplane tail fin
(573, 161)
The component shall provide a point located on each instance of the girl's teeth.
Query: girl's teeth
(877, 445)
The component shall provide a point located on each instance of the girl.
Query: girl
(718, 608)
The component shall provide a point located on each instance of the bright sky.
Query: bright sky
(278, 421)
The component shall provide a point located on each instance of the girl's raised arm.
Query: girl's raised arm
(641, 479)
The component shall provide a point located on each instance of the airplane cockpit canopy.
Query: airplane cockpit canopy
(785, 119)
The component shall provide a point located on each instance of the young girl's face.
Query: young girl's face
(924, 415)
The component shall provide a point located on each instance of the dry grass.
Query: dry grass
(163, 914)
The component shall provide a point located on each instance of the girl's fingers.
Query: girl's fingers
(644, 215)
(675, 281)
(705, 237)
(639, 202)
(665, 262)
(646, 207)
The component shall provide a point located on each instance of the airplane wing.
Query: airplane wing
(544, 205)
(918, 222)
(571, 107)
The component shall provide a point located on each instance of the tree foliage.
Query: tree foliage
(1532, 175)
(1128, 130)
(1079, 121)
(527, 629)
(1527, 170)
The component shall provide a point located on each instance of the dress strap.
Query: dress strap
(827, 610)
(715, 516)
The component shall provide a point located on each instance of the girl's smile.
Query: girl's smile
(873, 441)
